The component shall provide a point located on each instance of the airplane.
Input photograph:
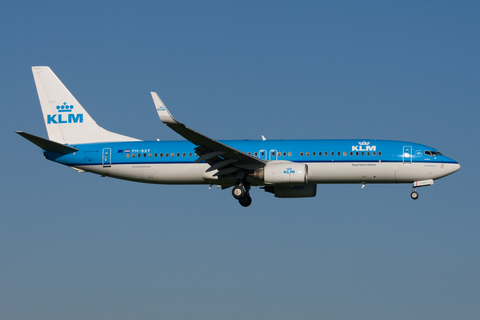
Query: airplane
(286, 168)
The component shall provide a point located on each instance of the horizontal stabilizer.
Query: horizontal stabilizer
(47, 145)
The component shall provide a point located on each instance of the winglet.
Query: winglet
(162, 110)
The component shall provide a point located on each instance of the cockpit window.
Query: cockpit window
(433, 153)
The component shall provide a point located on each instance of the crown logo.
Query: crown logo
(65, 108)
(364, 143)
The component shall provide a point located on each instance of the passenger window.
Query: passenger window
(368, 153)
(374, 153)
(344, 153)
(290, 153)
(178, 155)
(314, 153)
(183, 154)
(301, 154)
(351, 153)
(133, 155)
(161, 155)
(308, 154)
(356, 153)
(249, 153)
(149, 155)
(128, 155)
(279, 154)
(273, 153)
(333, 153)
(363, 153)
(380, 153)
(166, 155)
(139, 155)
(320, 154)
(172, 154)
(256, 154)
(155, 155)
(284, 154)
(326, 153)
(190, 154)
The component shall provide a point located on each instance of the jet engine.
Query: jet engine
(283, 173)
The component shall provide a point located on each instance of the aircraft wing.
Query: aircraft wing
(220, 156)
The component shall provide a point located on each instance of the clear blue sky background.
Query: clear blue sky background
(78, 246)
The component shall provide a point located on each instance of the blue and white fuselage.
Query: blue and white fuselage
(328, 161)
(287, 168)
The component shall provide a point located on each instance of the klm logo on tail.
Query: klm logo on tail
(62, 118)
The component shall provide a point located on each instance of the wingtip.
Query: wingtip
(162, 110)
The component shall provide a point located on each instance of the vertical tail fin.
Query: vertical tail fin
(65, 118)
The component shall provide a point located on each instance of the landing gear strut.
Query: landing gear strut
(241, 192)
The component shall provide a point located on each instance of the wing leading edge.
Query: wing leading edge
(219, 156)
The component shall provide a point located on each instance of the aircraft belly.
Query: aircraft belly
(351, 172)
(153, 173)
(180, 173)
(318, 173)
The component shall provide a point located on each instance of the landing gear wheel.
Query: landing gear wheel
(414, 195)
(238, 192)
(245, 201)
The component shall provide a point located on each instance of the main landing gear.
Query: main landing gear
(242, 194)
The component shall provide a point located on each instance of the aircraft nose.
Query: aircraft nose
(453, 167)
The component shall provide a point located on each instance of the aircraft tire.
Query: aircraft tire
(414, 195)
(245, 201)
(238, 192)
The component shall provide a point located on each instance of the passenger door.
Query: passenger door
(107, 157)
(407, 155)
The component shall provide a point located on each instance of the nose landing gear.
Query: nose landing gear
(422, 183)
(414, 195)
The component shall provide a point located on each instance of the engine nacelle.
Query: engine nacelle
(283, 173)
(304, 191)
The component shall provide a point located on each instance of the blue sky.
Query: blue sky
(79, 246)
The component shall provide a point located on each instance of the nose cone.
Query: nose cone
(452, 167)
